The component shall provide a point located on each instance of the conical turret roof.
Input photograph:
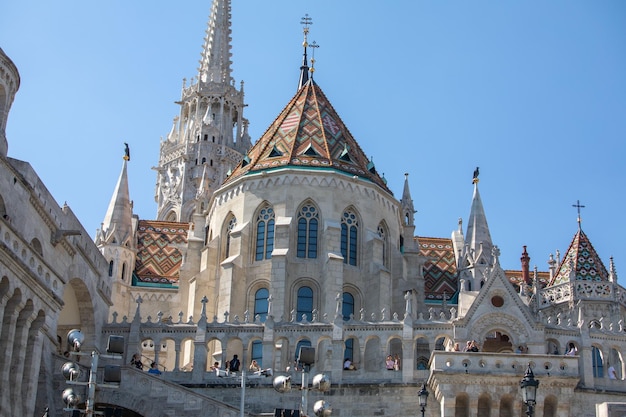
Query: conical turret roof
(117, 221)
(308, 133)
(477, 228)
(582, 260)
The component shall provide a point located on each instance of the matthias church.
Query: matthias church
(267, 247)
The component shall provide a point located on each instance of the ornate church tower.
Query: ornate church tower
(116, 239)
(210, 135)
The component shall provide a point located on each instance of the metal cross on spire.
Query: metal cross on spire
(306, 21)
(304, 69)
(313, 46)
(578, 207)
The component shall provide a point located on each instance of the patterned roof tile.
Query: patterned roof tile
(158, 256)
(440, 269)
(309, 133)
(583, 260)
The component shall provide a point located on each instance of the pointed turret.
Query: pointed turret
(210, 134)
(117, 223)
(116, 238)
(581, 262)
(478, 237)
(478, 252)
(408, 209)
(612, 271)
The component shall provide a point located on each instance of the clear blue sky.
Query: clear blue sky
(533, 92)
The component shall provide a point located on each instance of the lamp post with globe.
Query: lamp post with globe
(422, 395)
(529, 391)
(321, 382)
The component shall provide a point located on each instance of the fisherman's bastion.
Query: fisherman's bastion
(289, 246)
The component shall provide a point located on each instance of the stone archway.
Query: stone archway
(77, 313)
(500, 332)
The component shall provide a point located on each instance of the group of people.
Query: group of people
(234, 364)
(137, 363)
(521, 349)
(392, 363)
(470, 346)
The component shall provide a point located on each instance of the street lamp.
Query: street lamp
(321, 382)
(529, 391)
(423, 398)
(71, 371)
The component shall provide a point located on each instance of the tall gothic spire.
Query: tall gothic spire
(215, 62)
(210, 135)
(477, 254)
(478, 237)
(117, 224)
(408, 210)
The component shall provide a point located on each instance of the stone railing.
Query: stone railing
(503, 364)
(582, 290)
(555, 295)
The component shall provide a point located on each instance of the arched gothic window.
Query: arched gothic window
(123, 271)
(598, 364)
(264, 233)
(347, 305)
(261, 303)
(308, 221)
(111, 268)
(305, 303)
(257, 352)
(383, 235)
(231, 225)
(349, 236)
(349, 350)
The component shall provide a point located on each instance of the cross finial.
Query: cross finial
(306, 21)
(578, 207)
(313, 46)
(304, 69)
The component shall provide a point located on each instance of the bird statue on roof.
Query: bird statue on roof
(126, 152)
(476, 172)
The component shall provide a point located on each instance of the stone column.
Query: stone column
(332, 273)
(447, 405)
(32, 368)
(20, 345)
(177, 355)
(337, 348)
(269, 358)
(6, 351)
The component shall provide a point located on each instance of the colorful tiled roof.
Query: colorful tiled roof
(516, 278)
(440, 269)
(440, 273)
(583, 259)
(158, 256)
(308, 133)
